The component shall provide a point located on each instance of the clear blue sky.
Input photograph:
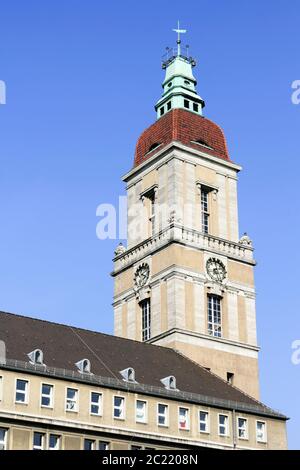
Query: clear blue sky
(82, 79)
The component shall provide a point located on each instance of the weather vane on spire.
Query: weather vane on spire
(179, 31)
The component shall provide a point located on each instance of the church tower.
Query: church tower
(185, 279)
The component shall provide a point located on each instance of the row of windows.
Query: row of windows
(46, 441)
(167, 108)
(186, 103)
(141, 411)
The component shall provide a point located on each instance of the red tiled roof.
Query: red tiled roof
(185, 127)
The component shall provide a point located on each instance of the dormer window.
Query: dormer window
(169, 382)
(128, 374)
(36, 356)
(201, 142)
(84, 366)
(153, 146)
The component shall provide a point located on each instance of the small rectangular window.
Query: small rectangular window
(214, 316)
(152, 217)
(162, 415)
(203, 421)
(146, 319)
(103, 445)
(242, 428)
(47, 395)
(141, 411)
(186, 104)
(184, 418)
(119, 407)
(134, 447)
(261, 432)
(21, 391)
(195, 107)
(54, 442)
(96, 404)
(162, 110)
(72, 399)
(223, 425)
(204, 211)
(169, 105)
(89, 444)
(3, 438)
(38, 441)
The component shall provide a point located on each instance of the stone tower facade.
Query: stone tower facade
(185, 279)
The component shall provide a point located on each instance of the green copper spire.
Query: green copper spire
(179, 86)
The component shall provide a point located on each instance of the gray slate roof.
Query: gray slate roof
(64, 345)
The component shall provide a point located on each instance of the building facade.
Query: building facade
(181, 371)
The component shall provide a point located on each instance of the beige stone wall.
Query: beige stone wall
(179, 291)
(73, 427)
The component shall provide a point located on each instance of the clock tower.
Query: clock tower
(185, 279)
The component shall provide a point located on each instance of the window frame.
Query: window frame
(122, 418)
(107, 443)
(207, 431)
(4, 442)
(166, 424)
(92, 441)
(145, 421)
(246, 438)
(1, 387)
(146, 318)
(212, 325)
(227, 434)
(188, 418)
(42, 447)
(26, 392)
(58, 441)
(205, 213)
(100, 413)
(76, 410)
(51, 396)
(260, 441)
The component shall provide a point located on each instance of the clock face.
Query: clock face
(141, 275)
(216, 269)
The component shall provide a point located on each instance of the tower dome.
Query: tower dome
(180, 112)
